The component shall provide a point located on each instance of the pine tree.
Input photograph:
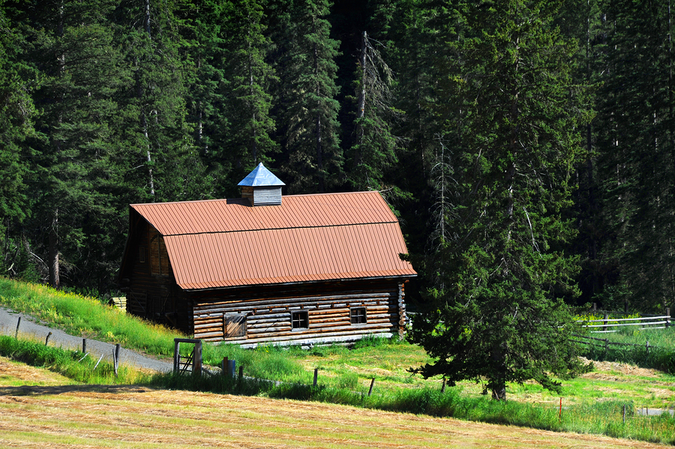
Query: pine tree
(247, 91)
(374, 150)
(16, 122)
(497, 311)
(637, 155)
(71, 187)
(153, 125)
(17, 112)
(306, 97)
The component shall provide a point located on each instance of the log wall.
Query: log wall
(268, 316)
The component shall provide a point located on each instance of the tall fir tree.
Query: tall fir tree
(636, 159)
(305, 99)
(374, 150)
(497, 311)
(247, 91)
(73, 182)
(17, 113)
(162, 162)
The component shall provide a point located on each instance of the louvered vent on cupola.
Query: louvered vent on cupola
(261, 187)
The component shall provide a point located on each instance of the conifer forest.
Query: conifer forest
(526, 146)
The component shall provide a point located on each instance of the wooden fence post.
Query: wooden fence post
(224, 366)
(176, 356)
(605, 322)
(241, 372)
(372, 383)
(197, 359)
(624, 414)
(116, 357)
(316, 376)
(667, 317)
(47, 339)
(16, 334)
(84, 346)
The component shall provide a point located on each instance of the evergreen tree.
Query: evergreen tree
(374, 149)
(17, 112)
(247, 90)
(306, 97)
(497, 311)
(153, 125)
(73, 182)
(637, 155)
(16, 122)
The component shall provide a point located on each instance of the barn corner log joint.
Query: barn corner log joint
(302, 269)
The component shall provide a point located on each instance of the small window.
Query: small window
(358, 315)
(300, 320)
(234, 325)
(141, 254)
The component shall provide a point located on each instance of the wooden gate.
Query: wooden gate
(193, 362)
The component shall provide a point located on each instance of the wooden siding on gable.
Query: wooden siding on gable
(159, 257)
(152, 293)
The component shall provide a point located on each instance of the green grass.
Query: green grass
(86, 317)
(659, 355)
(71, 364)
(345, 374)
(599, 417)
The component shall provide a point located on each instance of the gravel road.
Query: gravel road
(30, 329)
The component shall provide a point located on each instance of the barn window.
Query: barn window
(234, 325)
(300, 320)
(358, 315)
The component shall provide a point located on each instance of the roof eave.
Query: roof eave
(315, 281)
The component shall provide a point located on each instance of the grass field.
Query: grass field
(47, 410)
(591, 404)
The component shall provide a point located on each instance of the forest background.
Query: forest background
(110, 102)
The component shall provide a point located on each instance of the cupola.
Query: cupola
(261, 187)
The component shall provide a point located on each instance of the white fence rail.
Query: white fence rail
(647, 323)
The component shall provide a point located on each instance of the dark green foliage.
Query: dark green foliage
(636, 120)
(106, 103)
(497, 309)
(306, 97)
(16, 122)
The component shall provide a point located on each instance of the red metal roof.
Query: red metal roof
(227, 243)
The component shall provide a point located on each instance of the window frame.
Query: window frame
(356, 317)
(302, 318)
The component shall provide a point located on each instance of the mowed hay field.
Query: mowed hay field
(39, 409)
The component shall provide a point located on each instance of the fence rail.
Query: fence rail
(647, 323)
(606, 343)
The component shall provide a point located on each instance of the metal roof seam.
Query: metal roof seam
(280, 228)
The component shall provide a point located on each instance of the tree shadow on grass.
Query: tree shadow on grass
(37, 390)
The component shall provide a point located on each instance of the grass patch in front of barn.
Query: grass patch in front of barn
(87, 317)
(74, 365)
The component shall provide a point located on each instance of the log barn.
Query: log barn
(302, 269)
